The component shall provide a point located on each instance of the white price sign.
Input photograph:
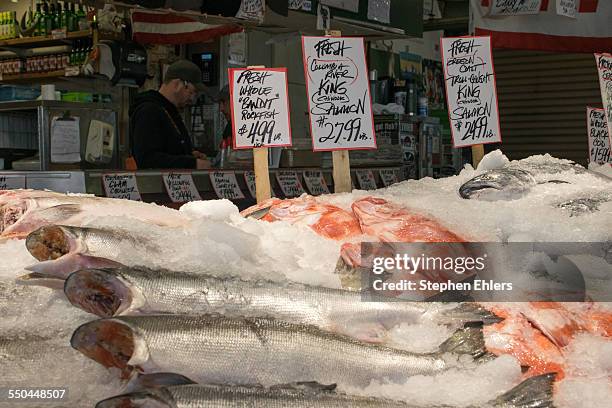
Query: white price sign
(470, 90)
(388, 177)
(567, 8)
(315, 182)
(249, 178)
(289, 183)
(338, 92)
(226, 185)
(366, 179)
(604, 67)
(12, 182)
(121, 185)
(599, 139)
(260, 107)
(515, 7)
(180, 187)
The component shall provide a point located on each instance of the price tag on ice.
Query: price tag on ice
(289, 183)
(180, 187)
(226, 185)
(338, 92)
(599, 139)
(121, 185)
(470, 90)
(315, 182)
(366, 180)
(260, 107)
(11, 182)
(249, 178)
(388, 177)
(604, 68)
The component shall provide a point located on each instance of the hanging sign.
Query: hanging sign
(388, 177)
(567, 8)
(121, 185)
(12, 182)
(225, 185)
(366, 180)
(249, 179)
(470, 90)
(260, 107)
(515, 7)
(604, 67)
(315, 182)
(599, 138)
(338, 92)
(180, 187)
(289, 183)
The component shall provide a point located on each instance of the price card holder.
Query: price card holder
(315, 182)
(388, 177)
(289, 183)
(225, 185)
(249, 179)
(12, 182)
(121, 185)
(366, 179)
(180, 187)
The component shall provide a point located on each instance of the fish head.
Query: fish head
(98, 291)
(10, 213)
(499, 184)
(51, 242)
(141, 399)
(20, 217)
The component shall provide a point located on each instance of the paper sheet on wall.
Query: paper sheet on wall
(65, 140)
(567, 8)
(515, 7)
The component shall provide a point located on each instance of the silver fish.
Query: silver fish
(256, 350)
(499, 184)
(535, 392)
(584, 205)
(129, 291)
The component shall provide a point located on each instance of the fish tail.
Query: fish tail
(149, 398)
(535, 392)
(469, 340)
(468, 312)
(156, 380)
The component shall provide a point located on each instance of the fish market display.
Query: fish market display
(255, 350)
(126, 291)
(535, 392)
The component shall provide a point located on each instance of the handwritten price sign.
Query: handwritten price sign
(388, 177)
(599, 139)
(470, 90)
(180, 187)
(260, 107)
(289, 182)
(515, 7)
(121, 185)
(338, 93)
(315, 182)
(226, 185)
(249, 178)
(366, 180)
(604, 67)
(12, 182)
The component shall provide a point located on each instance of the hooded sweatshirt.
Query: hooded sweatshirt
(159, 137)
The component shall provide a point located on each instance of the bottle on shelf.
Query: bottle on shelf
(38, 17)
(48, 20)
(82, 22)
(3, 32)
(14, 25)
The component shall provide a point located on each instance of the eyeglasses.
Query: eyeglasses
(191, 88)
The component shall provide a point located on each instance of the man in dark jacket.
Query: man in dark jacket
(160, 139)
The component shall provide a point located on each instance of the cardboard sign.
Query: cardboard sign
(366, 179)
(249, 179)
(338, 92)
(180, 187)
(604, 67)
(10, 182)
(289, 183)
(567, 8)
(226, 185)
(599, 138)
(388, 177)
(470, 90)
(260, 107)
(315, 182)
(121, 185)
(514, 7)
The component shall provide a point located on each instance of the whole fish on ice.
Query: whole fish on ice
(23, 211)
(535, 392)
(132, 291)
(255, 350)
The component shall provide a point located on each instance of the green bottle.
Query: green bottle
(82, 22)
(14, 25)
(38, 17)
(48, 20)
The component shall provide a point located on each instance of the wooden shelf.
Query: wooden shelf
(32, 76)
(32, 42)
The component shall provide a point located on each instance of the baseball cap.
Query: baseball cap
(186, 71)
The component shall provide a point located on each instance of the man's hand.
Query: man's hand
(202, 164)
(199, 155)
